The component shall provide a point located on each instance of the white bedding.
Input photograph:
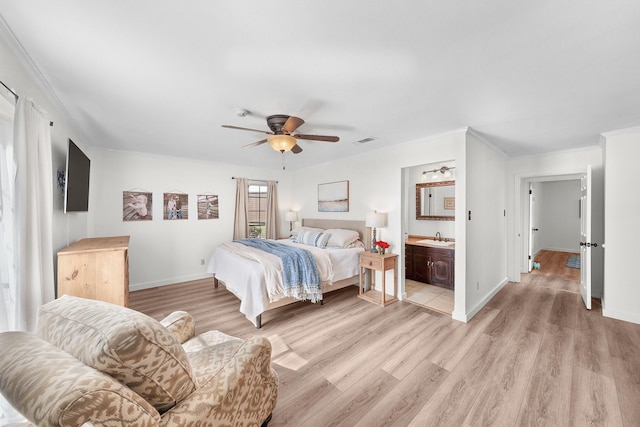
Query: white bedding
(245, 278)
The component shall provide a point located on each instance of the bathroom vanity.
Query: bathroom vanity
(430, 261)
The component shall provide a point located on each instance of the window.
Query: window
(257, 210)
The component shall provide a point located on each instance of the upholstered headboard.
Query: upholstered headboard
(359, 226)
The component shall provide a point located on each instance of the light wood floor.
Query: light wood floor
(553, 264)
(532, 356)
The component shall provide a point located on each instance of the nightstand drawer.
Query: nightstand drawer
(373, 261)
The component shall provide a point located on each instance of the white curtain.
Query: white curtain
(8, 415)
(7, 171)
(273, 222)
(28, 212)
(241, 219)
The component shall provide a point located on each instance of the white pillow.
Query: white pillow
(313, 238)
(341, 238)
(297, 230)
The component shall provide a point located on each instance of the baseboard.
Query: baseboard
(468, 316)
(619, 315)
(141, 286)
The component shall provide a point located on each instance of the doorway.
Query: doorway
(553, 216)
(554, 233)
(424, 225)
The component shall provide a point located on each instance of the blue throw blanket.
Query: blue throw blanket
(299, 270)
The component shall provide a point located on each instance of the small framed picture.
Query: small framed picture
(136, 206)
(208, 206)
(450, 203)
(175, 206)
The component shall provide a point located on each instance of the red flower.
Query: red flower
(382, 244)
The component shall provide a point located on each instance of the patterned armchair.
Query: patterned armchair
(105, 365)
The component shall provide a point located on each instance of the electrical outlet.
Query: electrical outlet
(202, 261)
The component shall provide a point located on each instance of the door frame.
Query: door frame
(523, 184)
(530, 245)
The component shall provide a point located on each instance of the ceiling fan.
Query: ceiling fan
(280, 138)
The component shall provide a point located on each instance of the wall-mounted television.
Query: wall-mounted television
(76, 187)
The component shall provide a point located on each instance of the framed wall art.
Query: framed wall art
(333, 197)
(450, 203)
(175, 206)
(137, 206)
(208, 206)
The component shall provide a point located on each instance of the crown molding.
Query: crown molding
(620, 132)
(485, 141)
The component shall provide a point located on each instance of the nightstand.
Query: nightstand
(382, 263)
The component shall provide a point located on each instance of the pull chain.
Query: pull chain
(283, 160)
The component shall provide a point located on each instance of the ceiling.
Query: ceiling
(162, 76)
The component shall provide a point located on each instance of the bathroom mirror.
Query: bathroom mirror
(436, 200)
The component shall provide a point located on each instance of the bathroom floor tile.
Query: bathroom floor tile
(432, 297)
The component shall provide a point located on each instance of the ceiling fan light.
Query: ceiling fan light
(281, 143)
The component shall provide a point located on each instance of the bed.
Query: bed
(257, 286)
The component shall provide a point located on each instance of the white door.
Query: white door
(585, 238)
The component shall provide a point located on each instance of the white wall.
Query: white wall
(169, 251)
(486, 227)
(622, 203)
(558, 164)
(559, 216)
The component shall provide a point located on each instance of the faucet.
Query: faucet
(438, 236)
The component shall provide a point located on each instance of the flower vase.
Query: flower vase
(381, 250)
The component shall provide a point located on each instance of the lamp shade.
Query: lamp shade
(376, 219)
(281, 143)
(291, 216)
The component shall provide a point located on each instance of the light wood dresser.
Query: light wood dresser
(96, 268)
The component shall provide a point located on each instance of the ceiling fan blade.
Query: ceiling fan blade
(292, 124)
(324, 138)
(296, 149)
(252, 130)
(253, 144)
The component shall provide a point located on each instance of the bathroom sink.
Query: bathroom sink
(436, 242)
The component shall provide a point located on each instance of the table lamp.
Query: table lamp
(375, 220)
(291, 216)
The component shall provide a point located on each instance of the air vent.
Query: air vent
(364, 140)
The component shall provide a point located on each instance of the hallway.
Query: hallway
(553, 272)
